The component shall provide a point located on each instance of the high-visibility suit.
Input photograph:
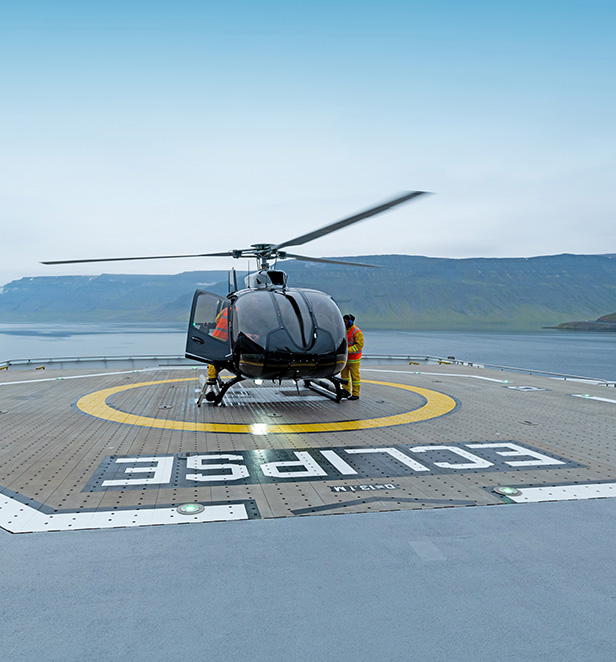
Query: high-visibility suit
(355, 340)
(221, 332)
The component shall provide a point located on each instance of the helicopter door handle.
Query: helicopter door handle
(197, 340)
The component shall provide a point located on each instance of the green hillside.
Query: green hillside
(409, 292)
(479, 293)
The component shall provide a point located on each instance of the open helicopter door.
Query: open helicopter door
(208, 329)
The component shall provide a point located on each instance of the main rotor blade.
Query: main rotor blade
(150, 257)
(304, 258)
(349, 221)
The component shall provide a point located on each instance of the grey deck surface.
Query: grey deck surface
(532, 582)
(435, 580)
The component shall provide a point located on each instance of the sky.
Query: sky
(189, 126)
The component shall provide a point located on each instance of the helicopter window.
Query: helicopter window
(211, 317)
(302, 311)
(291, 317)
(326, 313)
(254, 316)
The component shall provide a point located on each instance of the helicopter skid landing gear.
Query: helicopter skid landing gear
(324, 387)
(212, 391)
(217, 397)
(207, 389)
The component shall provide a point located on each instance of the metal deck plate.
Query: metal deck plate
(128, 448)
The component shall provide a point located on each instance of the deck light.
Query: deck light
(190, 509)
(507, 491)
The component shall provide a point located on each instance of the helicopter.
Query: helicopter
(268, 330)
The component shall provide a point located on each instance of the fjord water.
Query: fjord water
(574, 353)
(566, 352)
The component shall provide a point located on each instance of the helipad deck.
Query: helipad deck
(131, 448)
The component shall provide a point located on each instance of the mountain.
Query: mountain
(109, 297)
(409, 292)
(478, 293)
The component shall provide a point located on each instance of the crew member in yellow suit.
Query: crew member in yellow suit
(221, 332)
(355, 341)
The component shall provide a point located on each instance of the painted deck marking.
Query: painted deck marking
(440, 374)
(17, 517)
(95, 404)
(592, 397)
(565, 492)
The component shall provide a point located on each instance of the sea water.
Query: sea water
(567, 352)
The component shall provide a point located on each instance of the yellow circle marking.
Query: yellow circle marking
(95, 404)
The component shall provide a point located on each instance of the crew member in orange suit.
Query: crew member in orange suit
(355, 341)
(221, 332)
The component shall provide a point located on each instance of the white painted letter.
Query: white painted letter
(335, 459)
(395, 453)
(539, 460)
(475, 462)
(162, 471)
(198, 463)
(311, 468)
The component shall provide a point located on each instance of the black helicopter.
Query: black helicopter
(269, 330)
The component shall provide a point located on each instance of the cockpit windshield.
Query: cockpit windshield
(296, 317)
(254, 316)
(291, 321)
(326, 314)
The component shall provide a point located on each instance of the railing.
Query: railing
(543, 373)
(63, 362)
(476, 364)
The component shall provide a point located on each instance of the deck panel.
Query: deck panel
(56, 453)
